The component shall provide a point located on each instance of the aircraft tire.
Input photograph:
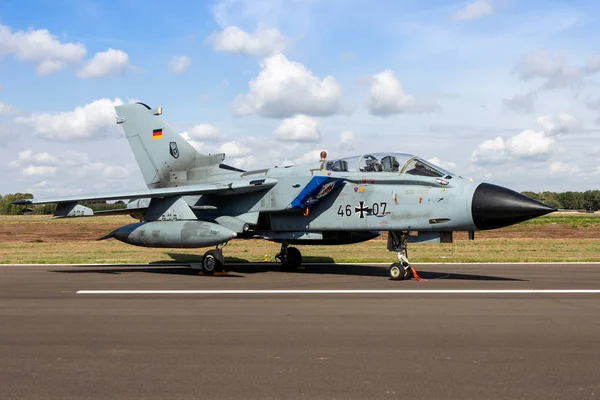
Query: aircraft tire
(294, 258)
(407, 273)
(212, 262)
(396, 272)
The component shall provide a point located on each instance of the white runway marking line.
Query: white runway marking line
(351, 291)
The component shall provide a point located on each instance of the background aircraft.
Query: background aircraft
(195, 200)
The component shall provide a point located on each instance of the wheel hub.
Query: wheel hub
(209, 263)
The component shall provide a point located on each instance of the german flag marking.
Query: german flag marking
(157, 134)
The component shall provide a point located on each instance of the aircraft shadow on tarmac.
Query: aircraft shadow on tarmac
(236, 266)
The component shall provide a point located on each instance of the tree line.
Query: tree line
(8, 209)
(588, 200)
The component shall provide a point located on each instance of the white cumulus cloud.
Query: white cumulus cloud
(284, 88)
(68, 165)
(593, 64)
(234, 149)
(38, 170)
(308, 157)
(28, 156)
(528, 143)
(180, 64)
(490, 151)
(202, 132)
(448, 165)
(299, 128)
(558, 123)
(100, 170)
(387, 97)
(106, 63)
(6, 109)
(93, 119)
(473, 10)
(199, 146)
(263, 42)
(68, 158)
(554, 71)
(41, 48)
(563, 168)
(552, 67)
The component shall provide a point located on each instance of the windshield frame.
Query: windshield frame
(364, 163)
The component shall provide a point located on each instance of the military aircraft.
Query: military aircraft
(196, 200)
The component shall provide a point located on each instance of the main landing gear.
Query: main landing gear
(213, 260)
(401, 270)
(289, 257)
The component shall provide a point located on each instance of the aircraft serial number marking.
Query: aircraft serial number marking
(377, 209)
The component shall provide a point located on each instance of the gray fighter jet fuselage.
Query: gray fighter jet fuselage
(196, 200)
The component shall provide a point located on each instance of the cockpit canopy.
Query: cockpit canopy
(388, 162)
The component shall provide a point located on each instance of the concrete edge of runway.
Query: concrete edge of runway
(315, 264)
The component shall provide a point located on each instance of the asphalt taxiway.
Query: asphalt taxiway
(467, 331)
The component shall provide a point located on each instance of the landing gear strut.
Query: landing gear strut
(213, 261)
(401, 270)
(289, 257)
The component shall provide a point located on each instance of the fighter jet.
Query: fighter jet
(195, 200)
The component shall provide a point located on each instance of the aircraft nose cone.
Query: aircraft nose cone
(496, 206)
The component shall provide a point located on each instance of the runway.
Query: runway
(467, 331)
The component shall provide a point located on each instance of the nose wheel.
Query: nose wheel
(399, 272)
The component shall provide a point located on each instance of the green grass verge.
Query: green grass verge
(40, 240)
(483, 250)
(578, 221)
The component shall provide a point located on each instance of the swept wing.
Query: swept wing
(232, 187)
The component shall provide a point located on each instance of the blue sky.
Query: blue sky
(503, 91)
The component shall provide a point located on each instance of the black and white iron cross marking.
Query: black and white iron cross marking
(361, 210)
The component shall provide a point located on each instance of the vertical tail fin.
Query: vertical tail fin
(164, 157)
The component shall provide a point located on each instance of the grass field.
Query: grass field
(38, 239)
